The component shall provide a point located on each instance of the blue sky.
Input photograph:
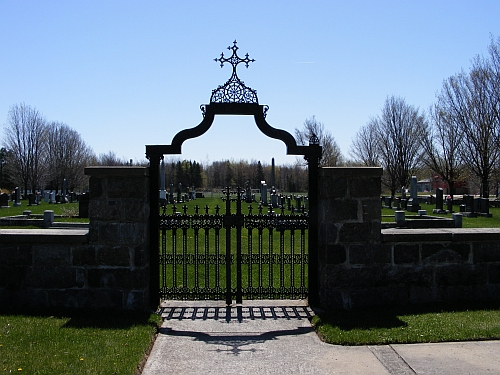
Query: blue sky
(125, 74)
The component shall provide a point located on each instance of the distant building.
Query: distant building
(460, 186)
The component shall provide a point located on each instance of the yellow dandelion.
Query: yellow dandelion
(81, 359)
(19, 369)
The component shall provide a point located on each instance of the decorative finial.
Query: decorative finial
(234, 90)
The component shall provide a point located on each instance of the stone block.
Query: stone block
(96, 187)
(132, 233)
(84, 256)
(115, 256)
(333, 298)
(456, 274)
(126, 188)
(494, 274)
(141, 256)
(410, 276)
(86, 299)
(52, 255)
(136, 300)
(333, 187)
(365, 187)
(327, 233)
(339, 210)
(486, 252)
(406, 253)
(333, 254)
(445, 252)
(12, 276)
(369, 254)
(13, 255)
(105, 210)
(118, 278)
(384, 296)
(355, 232)
(371, 210)
(55, 277)
(135, 211)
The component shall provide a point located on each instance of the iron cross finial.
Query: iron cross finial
(234, 90)
(234, 60)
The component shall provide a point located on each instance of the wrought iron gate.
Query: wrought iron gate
(257, 255)
(186, 271)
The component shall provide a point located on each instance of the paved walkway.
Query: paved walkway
(262, 337)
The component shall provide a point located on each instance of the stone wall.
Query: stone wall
(361, 265)
(106, 266)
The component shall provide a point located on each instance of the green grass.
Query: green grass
(467, 222)
(68, 210)
(75, 343)
(404, 325)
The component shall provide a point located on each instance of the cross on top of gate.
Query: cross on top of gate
(234, 90)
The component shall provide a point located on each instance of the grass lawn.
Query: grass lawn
(467, 222)
(412, 324)
(75, 343)
(68, 210)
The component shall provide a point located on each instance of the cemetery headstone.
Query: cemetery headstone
(83, 206)
(439, 202)
(248, 192)
(171, 194)
(263, 193)
(179, 193)
(413, 204)
(17, 200)
(52, 197)
(4, 200)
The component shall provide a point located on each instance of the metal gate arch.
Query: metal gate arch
(234, 98)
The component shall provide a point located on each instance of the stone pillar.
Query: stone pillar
(349, 231)
(119, 234)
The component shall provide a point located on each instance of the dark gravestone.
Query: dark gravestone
(469, 203)
(4, 200)
(83, 206)
(31, 200)
(439, 199)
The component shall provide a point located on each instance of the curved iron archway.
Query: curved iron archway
(235, 98)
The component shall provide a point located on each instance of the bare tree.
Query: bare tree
(398, 132)
(67, 155)
(441, 142)
(25, 139)
(364, 147)
(468, 99)
(332, 156)
(110, 159)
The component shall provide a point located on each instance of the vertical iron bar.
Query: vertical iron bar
(174, 261)
(185, 286)
(250, 266)
(207, 263)
(239, 224)
(217, 262)
(271, 262)
(164, 284)
(282, 262)
(196, 263)
(292, 255)
(227, 224)
(260, 259)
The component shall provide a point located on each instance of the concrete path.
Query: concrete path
(275, 337)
